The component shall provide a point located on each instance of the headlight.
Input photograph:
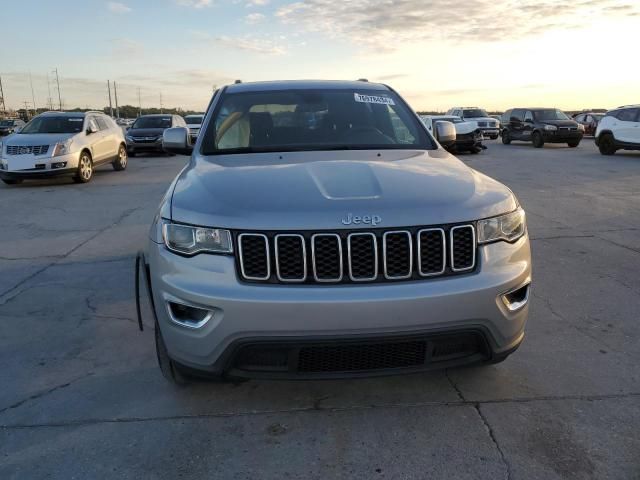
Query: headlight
(128, 138)
(550, 128)
(191, 240)
(509, 227)
(580, 127)
(62, 148)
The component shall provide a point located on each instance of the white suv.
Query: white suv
(490, 126)
(619, 130)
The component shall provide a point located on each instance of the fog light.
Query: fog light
(59, 165)
(188, 315)
(516, 299)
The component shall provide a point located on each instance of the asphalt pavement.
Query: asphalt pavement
(81, 395)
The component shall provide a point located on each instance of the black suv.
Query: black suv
(540, 126)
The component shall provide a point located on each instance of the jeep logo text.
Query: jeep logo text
(351, 219)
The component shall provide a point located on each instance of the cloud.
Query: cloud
(254, 18)
(126, 47)
(391, 25)
(257, 3)
(247, 43)
(117, 7)
(194, 3)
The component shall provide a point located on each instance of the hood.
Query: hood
(465, 127)
(559, 123)
(27, 139)
(316, 190)
(145, 132)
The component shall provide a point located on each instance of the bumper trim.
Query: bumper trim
(36, 174)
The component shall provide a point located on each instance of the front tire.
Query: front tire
(120, 163)
(506, 139)
(607, 144)
(168, 367)
(85, 168)
(12, 181)
(537, 140)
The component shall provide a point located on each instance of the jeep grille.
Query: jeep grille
(347, 256)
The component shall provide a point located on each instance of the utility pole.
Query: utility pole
(139, 104)
(59, 95)
(115, 92)
(49, 89)
(4, 108)
(161, 103)
(110, 106)
(33, 97)
(26, 109)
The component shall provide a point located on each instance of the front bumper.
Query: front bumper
(561, 137)
(490, 132)
(24, 167)
(247, 313)
(144, 146)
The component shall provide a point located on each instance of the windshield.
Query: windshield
(313, 120)
(152, 122)
(7, 123)
(474, 113)
(54, 125)
(193, 119)
(551, 114)
(598, 116)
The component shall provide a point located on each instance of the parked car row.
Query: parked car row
(469, 136)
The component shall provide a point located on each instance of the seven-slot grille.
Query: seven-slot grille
(356, 256)
(26, 150)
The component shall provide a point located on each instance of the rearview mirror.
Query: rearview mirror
(445, 133)
(177, 140)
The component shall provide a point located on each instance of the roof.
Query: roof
(156, 115)
(65, 114)
(304, 85)
(629, 106)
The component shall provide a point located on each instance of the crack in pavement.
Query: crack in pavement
(43, 393)
(6, 295)
(485, 422)
(314, 408)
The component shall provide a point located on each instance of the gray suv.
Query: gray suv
(320, 231)
(57, 144)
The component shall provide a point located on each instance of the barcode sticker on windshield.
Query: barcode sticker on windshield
(76, 119)
(373, 99)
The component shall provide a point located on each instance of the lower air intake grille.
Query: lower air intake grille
(353, 358)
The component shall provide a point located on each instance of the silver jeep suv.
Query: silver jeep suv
(62, 143)
(320, 231)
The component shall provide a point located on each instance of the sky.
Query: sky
(438, 54)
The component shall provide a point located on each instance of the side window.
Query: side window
(517, 115)
(579, 118)
(91, 122)
(627, 115)
(528, 116)
(102, 124)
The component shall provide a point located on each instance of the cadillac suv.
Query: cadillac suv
(57, 144)
(319, 230)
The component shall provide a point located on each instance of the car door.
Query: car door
(93, 138)
(111, 137)
(624, 128)
(527, 125)
(515, 123)
(634, 130)
(99, 141)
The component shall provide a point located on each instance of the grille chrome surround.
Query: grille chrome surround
(444, 249)
(27, 149)
(452, 249)
(314, 262)
(385, 255)
(350, 257)
(241, 255)
(279, 274)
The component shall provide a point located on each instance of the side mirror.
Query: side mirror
(17, 130)
(91, 129)
(445, 133)
(177, 140)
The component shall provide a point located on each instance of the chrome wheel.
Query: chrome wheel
(85, 169)
(122, 157)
